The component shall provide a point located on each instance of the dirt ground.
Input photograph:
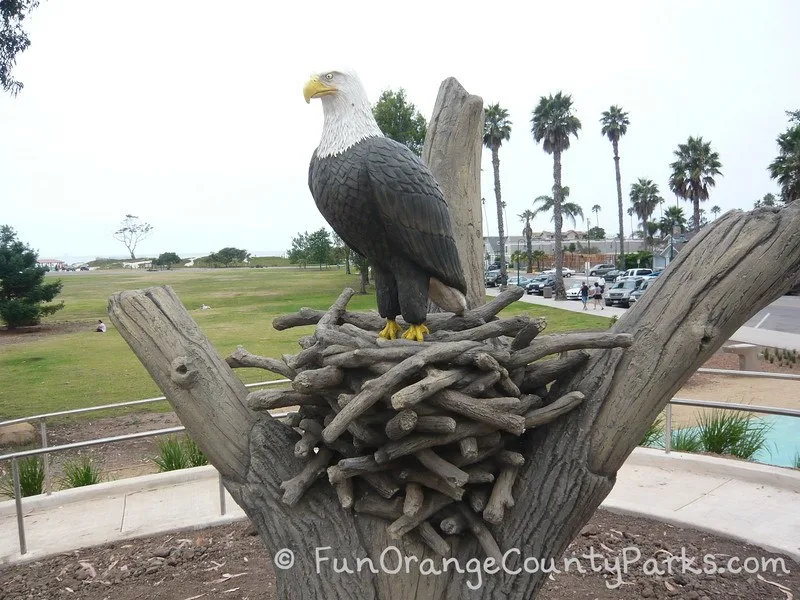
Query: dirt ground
(28, 334)
(230, 562)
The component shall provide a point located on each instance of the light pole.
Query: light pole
(518, 251)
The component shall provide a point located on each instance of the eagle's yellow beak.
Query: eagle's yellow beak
(314, 88)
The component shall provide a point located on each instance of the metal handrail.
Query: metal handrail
(47, 450)
(94, 442)
(77, 411)
(767, 410)
(759, 374)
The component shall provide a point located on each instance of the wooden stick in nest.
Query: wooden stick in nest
(422, 435)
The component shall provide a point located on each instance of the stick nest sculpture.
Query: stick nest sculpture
(422, 434)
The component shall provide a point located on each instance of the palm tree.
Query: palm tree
(496, 130)
(715, 210)
(552, 124)
(768, 200)
(568, 209)
(693, 173)
(615, 125)
(596, 210)
(630, 212)
(673, 217)
(526, 217)
(644, 198)
(786, 166)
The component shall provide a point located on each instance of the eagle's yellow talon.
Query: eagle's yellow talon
(416, 332)
(391, 331)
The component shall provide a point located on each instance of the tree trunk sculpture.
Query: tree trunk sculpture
(548, 484)
(452, 151)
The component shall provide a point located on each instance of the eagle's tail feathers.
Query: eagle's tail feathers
(446, 297)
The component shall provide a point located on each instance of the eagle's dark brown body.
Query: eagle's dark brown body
(384, 203)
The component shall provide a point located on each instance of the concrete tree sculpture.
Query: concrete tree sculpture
(466, 445)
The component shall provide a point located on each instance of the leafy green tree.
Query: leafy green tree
(340, 252)
(319, 247)
(597, 233)
(23, 292)
(644, 198)
(229, 256)
(570, 210)
(496, 130)
(693, 173)
(643, 259)
(13, 40)
(131, 232)
(298, 254)
(362, 264)
(615, 123)
(166, 259)
(786, 166)
(400, 120)
(552, 124)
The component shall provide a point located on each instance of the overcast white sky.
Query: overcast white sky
(190, 114)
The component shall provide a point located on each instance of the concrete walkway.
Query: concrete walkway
(750, 335)
(754, 503)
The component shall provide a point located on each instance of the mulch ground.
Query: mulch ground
(230, 562)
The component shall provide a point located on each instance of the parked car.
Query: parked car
(537, 285)
(491, 278)
(520, 281)
(646, 284)
(574, 293)
(601, 269)
(620, 292)
(611, 275)
(634, 273)
(565, 272)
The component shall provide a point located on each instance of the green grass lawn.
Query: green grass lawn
(84, 368)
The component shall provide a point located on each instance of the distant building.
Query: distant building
(544, 241)
(141, 264)
(53, 264)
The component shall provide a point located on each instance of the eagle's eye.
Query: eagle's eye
(329, 76)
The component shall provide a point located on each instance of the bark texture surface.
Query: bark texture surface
(452, 151)
(726, 274)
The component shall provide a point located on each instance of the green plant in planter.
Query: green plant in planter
(194, 456)
(654, 436)
(31, 478)
(686, 440)
(732, 433)
(78, 473)
(171, 456)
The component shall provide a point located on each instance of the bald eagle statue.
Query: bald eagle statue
(386, 205)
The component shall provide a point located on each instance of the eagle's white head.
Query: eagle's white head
(348, 114)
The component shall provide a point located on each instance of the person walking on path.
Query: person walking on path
(597, 294)
(585, 294)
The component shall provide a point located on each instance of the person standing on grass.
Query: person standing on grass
(584, 295)
(597, 294)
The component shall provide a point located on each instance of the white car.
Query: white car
(574, 293)
(565, 272)
(634, 274)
